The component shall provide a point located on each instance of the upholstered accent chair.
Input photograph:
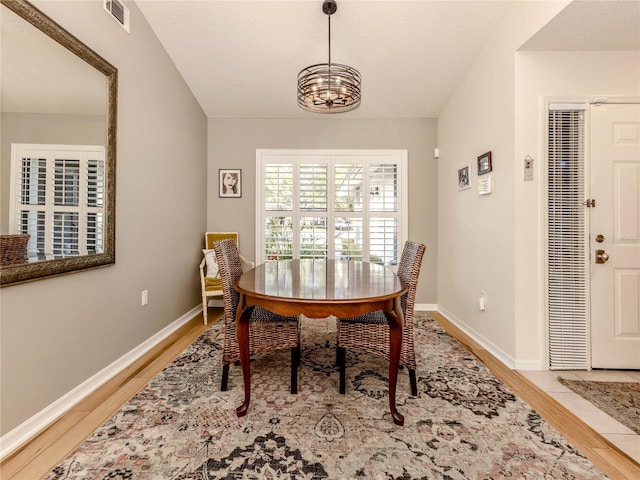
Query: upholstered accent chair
(267, 331)
(370, 333)
(210, 283)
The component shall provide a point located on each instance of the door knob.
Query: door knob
(601, 256)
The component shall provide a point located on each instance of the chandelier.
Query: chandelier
(329, 87)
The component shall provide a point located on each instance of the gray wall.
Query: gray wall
(42, 128)
(233, 144)
(56, 333)
(476, 233)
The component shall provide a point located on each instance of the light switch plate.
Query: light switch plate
(528, 169)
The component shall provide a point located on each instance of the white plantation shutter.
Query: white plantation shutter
(312, 180)
(313, 187)
(58, 198)
(331, 204)
(278, 208)
(95, 183)
(33, 181)
(383, 187)
(65, 234)
(278, 187)
(348, 180)
(66, 182)
(383, 240)
(31, 190)
(33, 222)
(567, 240)
(95, 232)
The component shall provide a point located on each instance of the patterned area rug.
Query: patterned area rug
(464, 424)
(620, 400)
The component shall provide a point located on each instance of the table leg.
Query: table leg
(396, 320)
(242, 332)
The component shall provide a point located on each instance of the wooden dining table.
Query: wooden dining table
(319, 288)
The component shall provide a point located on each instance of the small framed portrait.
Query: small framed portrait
(230, 183)
(464, 181)
(484, 163)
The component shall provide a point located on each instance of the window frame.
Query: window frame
(296, 157)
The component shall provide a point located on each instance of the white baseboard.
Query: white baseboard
(494, 350)
(32, 426)
(24, 432)
(530, 365)
(425, 307)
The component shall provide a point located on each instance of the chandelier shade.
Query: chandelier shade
(329, 87)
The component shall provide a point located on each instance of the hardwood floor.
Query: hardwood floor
(42, 453)
(610, 459)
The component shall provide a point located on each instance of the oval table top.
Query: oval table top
(320, 281)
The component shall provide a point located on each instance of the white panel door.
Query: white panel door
(615, 236)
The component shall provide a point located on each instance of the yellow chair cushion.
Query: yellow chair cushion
(212, 283)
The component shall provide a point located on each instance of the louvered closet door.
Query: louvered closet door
(615, 284)
(567, 239)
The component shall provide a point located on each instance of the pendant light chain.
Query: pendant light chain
(329, 82)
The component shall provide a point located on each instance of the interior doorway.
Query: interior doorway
(593, 242)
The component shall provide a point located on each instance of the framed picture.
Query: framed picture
(484, 163)
(464, 181)
(230, 182)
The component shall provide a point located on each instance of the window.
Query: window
(567, 261)
(55, 189)
(331, 204)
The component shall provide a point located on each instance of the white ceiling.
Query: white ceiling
(241, 58)
(591, 25)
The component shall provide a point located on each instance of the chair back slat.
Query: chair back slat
(230, 266)
(409, 272)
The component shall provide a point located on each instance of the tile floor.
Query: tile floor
(624, 438)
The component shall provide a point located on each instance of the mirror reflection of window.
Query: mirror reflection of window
(60, 199)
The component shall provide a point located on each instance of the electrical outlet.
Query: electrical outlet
(145, 297)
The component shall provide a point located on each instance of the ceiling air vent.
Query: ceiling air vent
(118, 11)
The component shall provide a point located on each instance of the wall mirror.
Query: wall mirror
(55, 93)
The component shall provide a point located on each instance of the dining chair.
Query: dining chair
(210, 285)
(267, 331)
(370, 333)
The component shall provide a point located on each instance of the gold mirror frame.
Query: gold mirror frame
(15, 274)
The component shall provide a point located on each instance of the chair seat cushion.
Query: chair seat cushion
(375, 318)
(211, 283)
(261, 315)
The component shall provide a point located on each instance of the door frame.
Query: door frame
(585, 102)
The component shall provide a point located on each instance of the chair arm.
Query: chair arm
(246, 264)
(202, 274)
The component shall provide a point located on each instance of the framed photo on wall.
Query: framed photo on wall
(484, 163)
(464, 181)
(230, 182)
